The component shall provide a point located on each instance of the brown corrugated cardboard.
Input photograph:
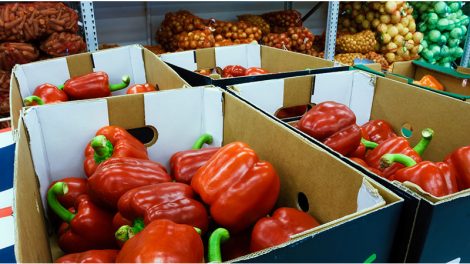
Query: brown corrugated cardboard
(301, 166)
(147, 66)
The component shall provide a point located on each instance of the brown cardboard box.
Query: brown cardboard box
(403, 106)
(346, 202)
(454, 81)
(137, 62)
(281, 63)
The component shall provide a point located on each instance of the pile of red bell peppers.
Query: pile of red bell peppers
(232, 71)
(378, 148)
(88, 86)
(130, 209)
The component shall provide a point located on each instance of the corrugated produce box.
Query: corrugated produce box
(139, 63)
(437, 228)
(358, 215)
(455, 81)
(280, 63)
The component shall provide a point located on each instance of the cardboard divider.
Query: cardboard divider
(180, 116)
(80, 64)
(121, 108)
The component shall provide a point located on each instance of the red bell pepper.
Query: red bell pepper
(46, 94)
(90, 256)
(220, 235)
(239, 187)
(460, 160)
(115, 176)
(365, 165)
(346, 140)
(325, 119)
(89, 228)
(361, 150)
(165, 242)
(255, 71)
(275, 230)
(75, 188)
(141, 88)
(184, 164)
(377, 131)
(292, 111)
(171, 200)
(398, 145)
(238, 245)
(112, 141)
(92, 85)
(438, 179)
(233, 71)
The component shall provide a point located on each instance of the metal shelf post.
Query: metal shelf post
(331, 30)
(89, 26)
(466, 52)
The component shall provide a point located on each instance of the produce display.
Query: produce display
(63, 44)
(230, 71)
(431, 82)
(379, 149)
(4, 93)
(390, 22)
(444, 26)
(128, 201)
(183, 30)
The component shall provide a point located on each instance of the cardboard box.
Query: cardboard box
(137, 62)
(433, 236)
(281, 63)
(454, 81)
(358, 215)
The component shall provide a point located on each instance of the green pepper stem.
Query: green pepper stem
(368, 144)
(197, 230)
(28, 101)
(387, 160)
(126, 232)
(102, 147)
(218, 236)
(426, 137)
(118, 86)
(59, 188)
(203, 139)
(60, 86)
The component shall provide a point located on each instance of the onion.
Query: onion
(390, 57)
(385, 19)
(382, 28)
(409, 44)
(392, 47)
(346, 22)
(392, 31)
(359, 18)
(417, 37)
(370, 16)
(391, 6)
(400, 28)
(409, 36)
(366, 24)
(398, 39)
(412, 27)
(395, 17)
(386, 38)
(375, 23)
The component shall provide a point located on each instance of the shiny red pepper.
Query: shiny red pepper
(112, 141)
(438, 179)
(90, 256)
(459, 159)
(255, 71)
(325, 119)
(233, 71)
(89, 228)
(163, 241)
(377, 131)
(116, 176)
(398, 145)
(93, 85)
(365, 165)
(362, 149)
(171, 200)
(141, 88)
(184, 164)
(239, 187)
(346, 140)
(238, 245)
(275, 230)
(75, 188)
(46, 94)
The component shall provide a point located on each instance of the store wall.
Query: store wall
(125, 22)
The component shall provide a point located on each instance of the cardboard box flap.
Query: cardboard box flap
(51, 144)
(183, 59)
(245, 55)
(267, 95)
(354, 89)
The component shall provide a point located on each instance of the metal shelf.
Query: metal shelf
(89, 27)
